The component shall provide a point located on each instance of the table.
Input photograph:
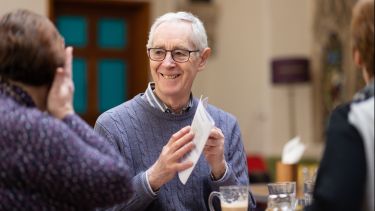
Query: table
(260, 193)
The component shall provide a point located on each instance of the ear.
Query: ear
(359, 63)
(203, 58)
(357, 58)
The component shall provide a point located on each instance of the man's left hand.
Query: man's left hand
(214, 153)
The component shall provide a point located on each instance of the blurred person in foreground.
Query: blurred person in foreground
(146, 130)
(50, 159)
(345, 178)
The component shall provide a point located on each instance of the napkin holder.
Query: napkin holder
(286, 172)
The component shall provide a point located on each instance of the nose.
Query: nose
(168, 60)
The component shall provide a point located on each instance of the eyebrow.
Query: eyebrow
(178, 47)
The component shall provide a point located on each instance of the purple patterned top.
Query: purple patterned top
(48, 164)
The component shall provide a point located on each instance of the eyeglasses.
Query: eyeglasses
(178, 55)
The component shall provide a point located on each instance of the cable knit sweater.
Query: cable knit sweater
(51, 164)
(139, 132)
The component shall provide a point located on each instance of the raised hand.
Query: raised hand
(168, 163)
(60, 96)
(214, 153)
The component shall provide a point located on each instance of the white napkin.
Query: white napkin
(201, 126)
(293, 151)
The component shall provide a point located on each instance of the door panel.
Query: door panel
(112, 33)
(110, 62)
(80, 83)
(111, 84)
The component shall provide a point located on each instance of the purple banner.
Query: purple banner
(290, 70)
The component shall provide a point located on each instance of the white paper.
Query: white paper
(201, 126)
(293, 151)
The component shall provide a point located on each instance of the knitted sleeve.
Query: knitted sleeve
(109, 126)
(62, 162)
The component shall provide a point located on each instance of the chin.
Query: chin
(170, 91)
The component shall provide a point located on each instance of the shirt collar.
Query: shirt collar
(365, 93)
(16, 93)
(156, 102)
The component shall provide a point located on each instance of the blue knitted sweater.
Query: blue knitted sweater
(139, 132)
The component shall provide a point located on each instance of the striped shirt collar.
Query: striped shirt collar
(156, 102)
(365, 93)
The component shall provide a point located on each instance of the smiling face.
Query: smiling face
(174, 80)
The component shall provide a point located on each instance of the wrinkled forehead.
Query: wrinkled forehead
(173, 34)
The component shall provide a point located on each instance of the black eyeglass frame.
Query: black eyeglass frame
(166, 51)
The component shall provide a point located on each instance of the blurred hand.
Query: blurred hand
(60, 96)
(214, 153)
(168, 163)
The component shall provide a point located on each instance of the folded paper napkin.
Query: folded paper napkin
(201, 126)
(293, 151)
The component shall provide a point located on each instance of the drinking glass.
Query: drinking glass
(280, 202)
(288, 188)
(309, 177)
(308, 189)
(232, 198)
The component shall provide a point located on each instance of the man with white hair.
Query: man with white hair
(146, 130)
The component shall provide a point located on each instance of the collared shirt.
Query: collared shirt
(156, 102)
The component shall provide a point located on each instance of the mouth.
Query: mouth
(170, 77)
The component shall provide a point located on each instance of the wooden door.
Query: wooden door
(110, 63)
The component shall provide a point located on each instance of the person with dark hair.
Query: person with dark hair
(345, 179)
(50, 158)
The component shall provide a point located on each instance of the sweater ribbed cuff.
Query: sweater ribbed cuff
(154, 193)
(220, 179)
(228, 179)
(143, 194)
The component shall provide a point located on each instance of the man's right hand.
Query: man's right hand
(168, 164)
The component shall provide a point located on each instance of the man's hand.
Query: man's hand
(60, 96)
(214, 153)
(168, 164)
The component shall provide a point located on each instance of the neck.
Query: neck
(368, 76)
(176, 104)
(38, 94)
(368, 79)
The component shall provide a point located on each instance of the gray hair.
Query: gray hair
(199, 37)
